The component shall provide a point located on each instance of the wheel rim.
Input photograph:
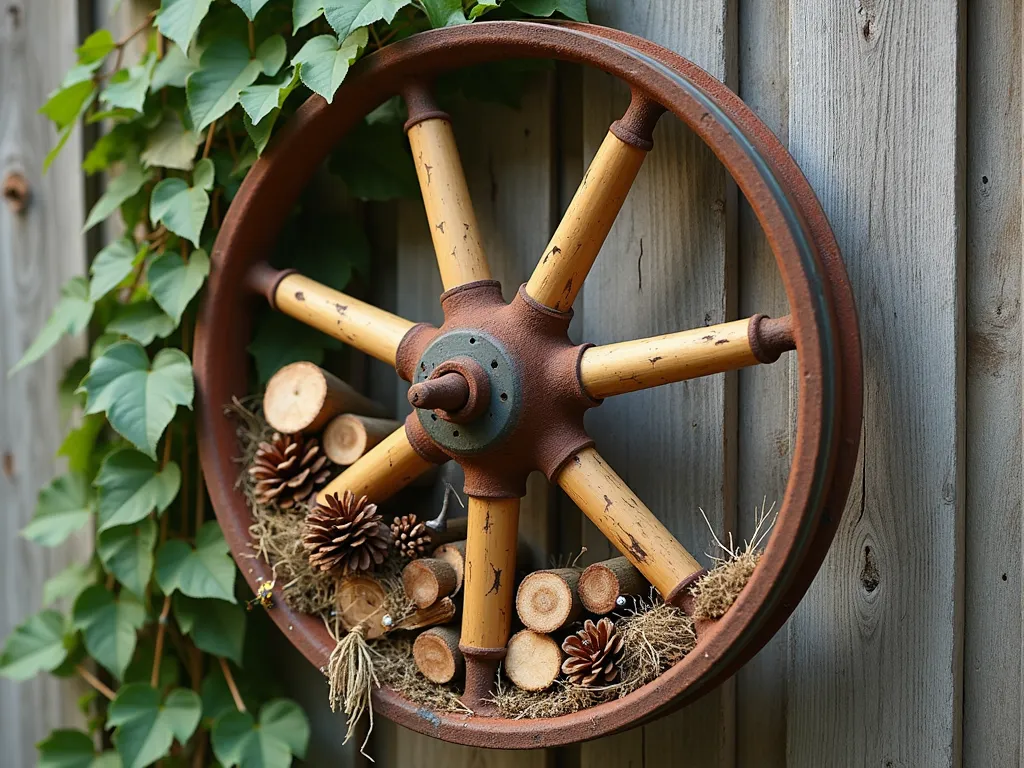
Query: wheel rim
(829, 408)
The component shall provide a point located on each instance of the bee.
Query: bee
(264, 596)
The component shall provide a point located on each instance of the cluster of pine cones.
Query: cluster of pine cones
(593, 654)
(344, 534)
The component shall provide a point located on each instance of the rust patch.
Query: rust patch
(655, 359)
(634, 547)
(9, 464)
(496, 585)
(721, 341)
(341, 308)
(440, 227)
(300, 296)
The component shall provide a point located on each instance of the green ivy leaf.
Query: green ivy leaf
(271, 54)
(146, 726)
(143, 321)
(109, 625)
(215, 628)
(96, 47)
(139, 398)
(67, 748)
(79, 444)
(127, 553)
(128, 87)
(375, 164)
(325, 62)
(132, 485)
(259, 101)
(305, 11)
(112, 265)
(179, 19)
(280, 340)
(75, 94)
(282, 732)
(127, 184)
(224, 70)
(481, 8)
(119, 142)
(71, 316)
(206, 571)
(250, 7)
(173, 69)
(171, 144)
(345, 16)
(175, 282)
(181, 208)
(69, 583)
(444, 13)
(573, 9)
(64, 506)
(40, 644)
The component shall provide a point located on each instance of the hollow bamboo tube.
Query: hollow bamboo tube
(453, 227)
(490, 572)
(348, 436)
(533, 661)
(427, 580)
(614, 369)
(626, 522)
(302, 397)
(569, 256)
(602, 583)
(437, 655)
(358, 324)
(387, 468)
(547, 601)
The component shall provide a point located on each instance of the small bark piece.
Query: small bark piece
(348, 436)
(437, 655)
(455, 555)
(547, 601)
(602, 583)
(440, 612)
(533, 660)
(303, 397)
(427, 580)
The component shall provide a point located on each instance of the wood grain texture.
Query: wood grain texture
(39, 250)
(507, 155)
(992, 619)
(667, 266)
(876, 645)
(766, 418)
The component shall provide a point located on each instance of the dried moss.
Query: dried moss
(396, 670)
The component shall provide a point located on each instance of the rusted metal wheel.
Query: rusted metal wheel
(501, 389)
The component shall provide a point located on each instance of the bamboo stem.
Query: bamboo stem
(95, 682)
(626, 522)
(358, 324)
(490, 572)
(559, 276)
(453, 226)
(628, 366)
(387, 468)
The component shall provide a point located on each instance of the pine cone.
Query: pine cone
(411, 538)
(289, 470)
(594, 654)
(345, 534)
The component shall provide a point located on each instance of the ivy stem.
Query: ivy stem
(230, 680)
(209, 140)
(252, 38)
(232, 147)
(161, 630)
(95, 682)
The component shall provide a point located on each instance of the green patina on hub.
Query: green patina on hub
(503, 409)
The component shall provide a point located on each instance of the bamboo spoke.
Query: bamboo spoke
(383, 471)
(453, 227)
(573, 248)
(361, 325)
(614, 369)
(626, 522)
(491, 537)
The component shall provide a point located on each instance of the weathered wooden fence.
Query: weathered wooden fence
(906, 117)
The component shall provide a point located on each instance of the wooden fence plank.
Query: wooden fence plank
(992, 633)
(764, 445)
(508, 156)
(666, 266)
(875, 647)
(39, 249)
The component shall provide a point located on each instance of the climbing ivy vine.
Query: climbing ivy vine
(154, 620)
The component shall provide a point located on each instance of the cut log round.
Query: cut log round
(303, 397)
(427, 580)
(361, 600)
(455, 555)
(602, 583)
(533, 660)
(348, 436)
(547, 601)
(437, 655)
